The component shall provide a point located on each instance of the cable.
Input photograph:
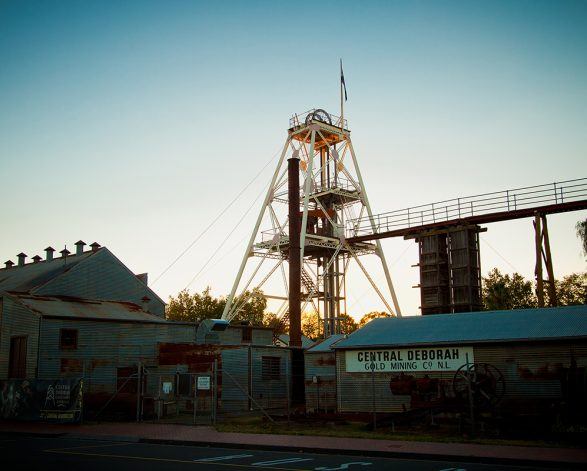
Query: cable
(498, 254)
(214, 221)
(226, 238)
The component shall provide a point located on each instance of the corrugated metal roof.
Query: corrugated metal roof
(484, 326)
(306, 342)
(62, 306)
(326, 345)
(25, 278)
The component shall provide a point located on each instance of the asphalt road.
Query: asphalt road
(25, 453)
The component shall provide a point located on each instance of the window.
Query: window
(247, 334)
(68, 339)
(17, 359)
(270, 368)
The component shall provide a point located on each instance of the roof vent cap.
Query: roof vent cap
(79, 247)
(9, 264)
(37, 259)
(49, 253)
(95, 246)
(21, 258)
(64, 253)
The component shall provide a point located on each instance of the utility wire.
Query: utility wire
(226, 238)
(498, 254)
(215, 220)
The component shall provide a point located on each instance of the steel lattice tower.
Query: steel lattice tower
(318, 152)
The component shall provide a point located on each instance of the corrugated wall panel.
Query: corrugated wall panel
(320, 395)
(18, 321)
(533, 372)
(104, 277)
(270, 393)
(234, 370)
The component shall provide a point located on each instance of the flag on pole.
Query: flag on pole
(342, 81)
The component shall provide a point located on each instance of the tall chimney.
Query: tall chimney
(49, 253)
(21, 258)
(37, 259)
(9, 264)
(79, 247)
(95, 246)
(295, 267)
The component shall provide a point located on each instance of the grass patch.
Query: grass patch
(360, 430)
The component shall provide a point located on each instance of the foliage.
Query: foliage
(347, 324)
(194, 308)
(200, 306)
(582, 234)
(370, 316)
(514, 292)
(572, 289)
(311, 325)
(279, 327)
(507, 292)
(252, 305)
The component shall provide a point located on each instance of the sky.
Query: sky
(135, 124)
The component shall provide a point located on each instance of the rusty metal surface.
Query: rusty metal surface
(70, 307)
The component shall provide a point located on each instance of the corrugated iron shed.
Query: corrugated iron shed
(473, 327)
(75, 308)
(325, 346)
(306, 342)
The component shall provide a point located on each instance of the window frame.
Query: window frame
(75, 343)
(270, 368)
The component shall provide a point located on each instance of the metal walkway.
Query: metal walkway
(558, 197)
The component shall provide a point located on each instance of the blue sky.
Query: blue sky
(135, 123)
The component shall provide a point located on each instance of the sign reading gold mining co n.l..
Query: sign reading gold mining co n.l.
(408, 359)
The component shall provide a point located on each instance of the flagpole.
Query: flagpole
(341, 101)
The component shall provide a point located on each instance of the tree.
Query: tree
(582, 234)
(370, 316)
(200, 306)
(278, 325)
(572, 289)
(347, 324)
(251, 305)
(504, 292)
(311, 325)
(194, 308)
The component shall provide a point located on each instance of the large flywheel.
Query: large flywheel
(484, 381)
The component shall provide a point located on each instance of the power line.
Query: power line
(498, 254)
(226, 238)
(215, 220)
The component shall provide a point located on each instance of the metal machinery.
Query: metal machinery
(319, 154)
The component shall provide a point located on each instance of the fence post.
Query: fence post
(373, 394)
(139, 383)
(215, 389)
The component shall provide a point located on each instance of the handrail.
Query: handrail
(468, 206)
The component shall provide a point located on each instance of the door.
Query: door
(17, 359)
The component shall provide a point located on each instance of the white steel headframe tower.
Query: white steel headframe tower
(332, 194)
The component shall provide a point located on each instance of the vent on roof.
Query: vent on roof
(64, 253)
(9, 264)
(95, 246)
(49, 253)
(79, 247)
(21, 258)
(37, 259)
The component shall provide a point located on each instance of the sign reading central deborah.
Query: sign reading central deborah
(408, 359)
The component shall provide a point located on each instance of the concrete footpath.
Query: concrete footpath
(183, 434)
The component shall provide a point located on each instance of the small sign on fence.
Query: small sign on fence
(203, 383)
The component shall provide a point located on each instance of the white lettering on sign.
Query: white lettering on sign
(203, 383)
(408, 359)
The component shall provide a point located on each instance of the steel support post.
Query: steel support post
(295, 267)
(538, 269)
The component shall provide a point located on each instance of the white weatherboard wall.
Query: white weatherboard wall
(408, 359)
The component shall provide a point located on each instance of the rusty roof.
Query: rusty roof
(77, 308)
